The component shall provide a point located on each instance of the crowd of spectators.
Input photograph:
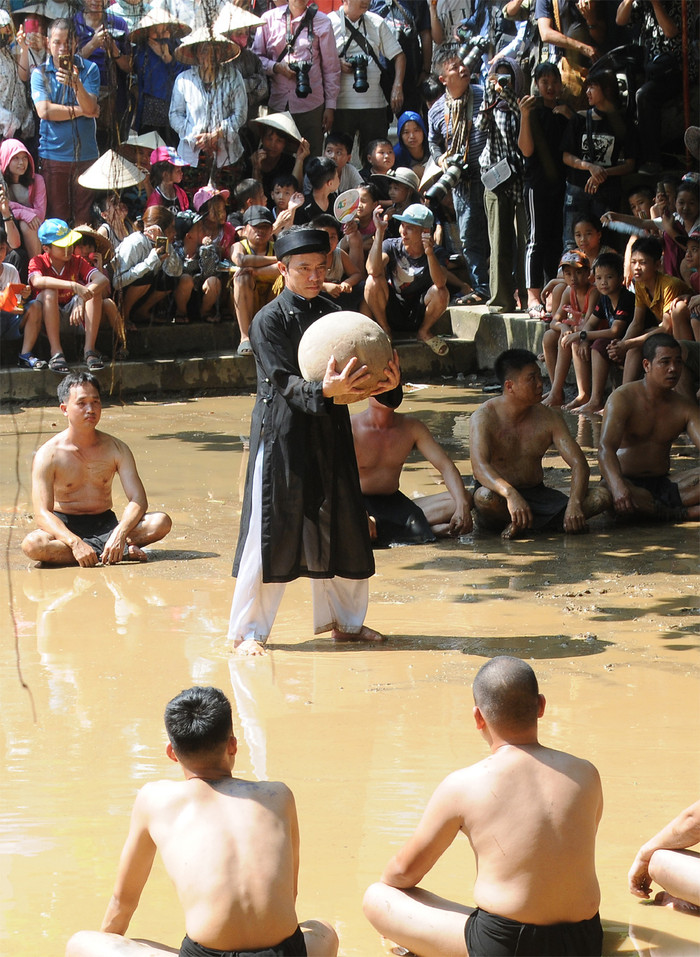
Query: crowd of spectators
(152, 152)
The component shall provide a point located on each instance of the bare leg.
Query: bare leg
(493, 513)
(689, 486)
(132, 295)
(633, 365)
(49, 301)
(183, 292)
(243, 300)
(31, 327)
(582, 368)
(598, 499)
(599, 376)
(680, 318)
(93, 943)
(426, 924)
(436, 301)
(320, 938)
(93, 318)
(154, 297)
(212, 291)
(40, 547)
(678, 872)
(438, 509)
(377, 297)
(550, 342)
(555, 396)
(30, 239)
(364, 634)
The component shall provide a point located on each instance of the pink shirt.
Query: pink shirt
(324, 77)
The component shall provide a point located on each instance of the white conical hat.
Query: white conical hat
(156, 17)
(234, 19)
(284, 122)
(224, 49)
(111, 171)
(149, 141)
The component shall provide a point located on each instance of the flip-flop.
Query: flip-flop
(438, 345)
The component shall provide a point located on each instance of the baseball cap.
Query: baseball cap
(206, 193)
(575, 258)
(184, 221)
(694, 234)
(166, 154)
(56, 232)
(417, 215)
(255, 215)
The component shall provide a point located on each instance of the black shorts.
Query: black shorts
(399, 520)
(405, 315)
(662, 489)
(93, 529)
(548, 506)
(488, 935)
(293, 946)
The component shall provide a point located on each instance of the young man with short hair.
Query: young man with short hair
(230, 847)
(72, 479)
(523, 795)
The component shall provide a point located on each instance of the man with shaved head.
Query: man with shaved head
(530, 814)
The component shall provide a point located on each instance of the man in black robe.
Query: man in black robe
(302, 511)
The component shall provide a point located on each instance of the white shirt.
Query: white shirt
(381, 39)
(194, 109)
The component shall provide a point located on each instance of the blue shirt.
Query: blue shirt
(67, 141)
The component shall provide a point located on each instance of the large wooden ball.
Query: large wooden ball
(344, 335)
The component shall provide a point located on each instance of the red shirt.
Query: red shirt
(76, 269)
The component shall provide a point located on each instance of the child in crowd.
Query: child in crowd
(338, 147)
(276, 153)
(678, 225)
(145, 266)
(609, 320)
(95, 248)
(577, 303)
(70, 288)
(343, 281)
(640, 202)
(19, 319)
(380, 159)
(198, 289)
(655, 294)
(166, 176)
(257, 271)
(323, 177)
(211, 204)
(588, 236)
(26, 191)
(112, 218)
(369, 200)
(412, 148)
(665, 193)
(286, 199)
(685, 312)
(249, 192)
(402, 186)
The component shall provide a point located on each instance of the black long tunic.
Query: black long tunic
(313, 518)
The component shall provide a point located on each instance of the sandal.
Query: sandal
(26, 360)
(438, 345)
(468, 299)
(244, 348)
(536, 311)
(57, 363)
(93, 360)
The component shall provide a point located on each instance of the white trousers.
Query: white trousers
(338, 602)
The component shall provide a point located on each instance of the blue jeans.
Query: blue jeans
(468, 199)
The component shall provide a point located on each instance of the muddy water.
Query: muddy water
(609, 621)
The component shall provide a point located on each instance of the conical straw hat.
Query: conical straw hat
(224, 49)
(148, 141)
(284, 122)
(111, 171)
(158, 17)
(233, 19)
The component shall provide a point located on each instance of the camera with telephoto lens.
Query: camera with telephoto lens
(303, 87)
(456, 167)
(472, 49)
(360, 83)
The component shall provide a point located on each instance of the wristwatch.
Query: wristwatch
(583, 335)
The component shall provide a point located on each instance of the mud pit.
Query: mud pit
(362, 735)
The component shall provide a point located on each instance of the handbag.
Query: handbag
(573, 75)
(497, 175)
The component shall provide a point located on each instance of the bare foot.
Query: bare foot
(249, 647)
(664, 899)
(511, 531)
(136, 554)
(590, 408)
(575, 403)
(364, 634)
(553, 400)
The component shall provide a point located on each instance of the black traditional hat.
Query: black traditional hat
(302, 240)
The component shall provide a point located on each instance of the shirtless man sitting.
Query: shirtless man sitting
(72, 480)
(664, 858)
(383, 441)
(530, 814)
(509, 435)
(230, 847)
(641, 420)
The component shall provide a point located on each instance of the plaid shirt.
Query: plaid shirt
(501, 128)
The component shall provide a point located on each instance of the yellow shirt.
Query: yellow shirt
(666, 290)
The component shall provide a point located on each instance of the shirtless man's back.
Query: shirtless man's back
(230, 847)
(72, 479)
(640, 423)
(383, 441)
(509, 436)
(530, 814)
